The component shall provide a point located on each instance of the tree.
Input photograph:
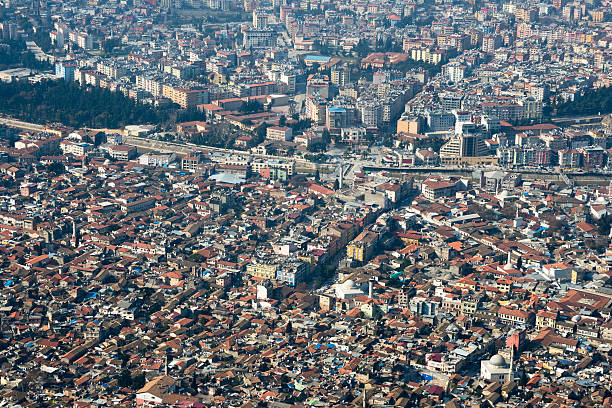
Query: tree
(189, 115)
(282, 121)
(435, 143)
(362, 49)
(326, 136)
(592, 102)
(109, 44)
(14, 53)
(300, 125)
(315, 158)
(596, 244)
(388, 140)
(56, 167)
(125, 379)
(260, 133)
(42, 39)
(194, 384)
(73, 105)
(250, 106)
(603, 224)
(139, 381)
(336, 184)
(316, 147)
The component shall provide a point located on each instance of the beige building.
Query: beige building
(287, 165)
(186, 98)
(264, 271)
(409, 124)
(282, 133)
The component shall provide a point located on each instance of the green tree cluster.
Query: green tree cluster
(220, 135)
(73, 105)
(42, 39)
(250, 107)
(363, 48)
(125, 379)
(15, 54)
(190, 115)
(434, 142)
(300, 125)
(593, 102)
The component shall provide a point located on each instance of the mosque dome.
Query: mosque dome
(498, 361)
(349, 284)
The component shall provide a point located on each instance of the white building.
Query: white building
(259, 38)
(370, 112)
(289, 80)
(77, 149)
(353, 135)
(260, 19)
(156, 160)
(462, 118)
(557, 271)
(496, 369)
(282, 133)
(455, 71)
(440, 121)
(348, 290)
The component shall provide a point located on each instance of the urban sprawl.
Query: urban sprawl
(280, 203)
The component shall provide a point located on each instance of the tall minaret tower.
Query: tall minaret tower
(518, 213)
(509, 261)
(75, 234)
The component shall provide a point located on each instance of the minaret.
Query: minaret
(371, 288)
(509, 261)
(75, 234)
(510, 372)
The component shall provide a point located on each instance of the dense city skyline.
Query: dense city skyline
(276, 203)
